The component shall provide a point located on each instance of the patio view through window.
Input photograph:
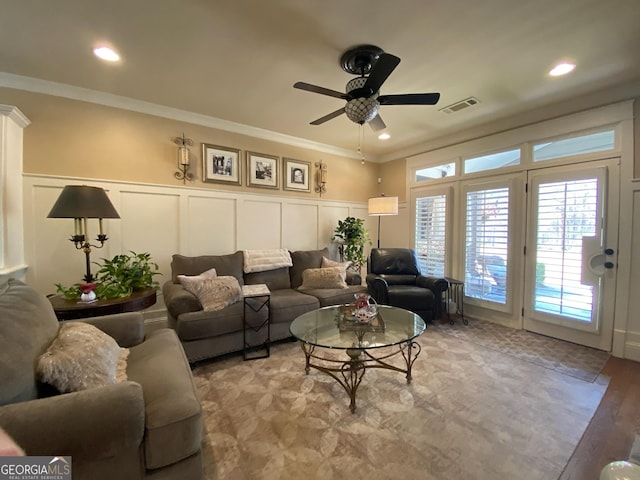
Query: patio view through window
(431, 214)
(566, 212)
(487, 241)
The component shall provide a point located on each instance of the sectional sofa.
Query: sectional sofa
(146, 425)
(206, 334)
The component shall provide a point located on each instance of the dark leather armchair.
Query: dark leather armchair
(393, 278)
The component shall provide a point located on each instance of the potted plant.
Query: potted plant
(352, 238)
(123, 274)
(118, 277)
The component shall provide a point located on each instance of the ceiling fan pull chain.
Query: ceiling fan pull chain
(361, 143)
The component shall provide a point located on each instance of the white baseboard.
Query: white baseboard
(632, 351)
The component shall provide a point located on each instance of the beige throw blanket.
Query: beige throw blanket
(263, 260)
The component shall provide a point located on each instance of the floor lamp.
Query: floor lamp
(379, 206)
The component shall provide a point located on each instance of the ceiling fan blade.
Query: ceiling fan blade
(321, 90)
(377, 123)
(326, 118)
(410, 99)
(383, 67)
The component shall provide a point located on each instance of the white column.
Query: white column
(12, 261)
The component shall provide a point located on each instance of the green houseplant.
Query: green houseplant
(119, 277)
(124, 273)
(352, 238)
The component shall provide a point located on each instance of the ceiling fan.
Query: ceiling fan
(363, 97)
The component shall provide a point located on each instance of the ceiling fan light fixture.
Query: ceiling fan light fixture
(363, 93)
(361, 110)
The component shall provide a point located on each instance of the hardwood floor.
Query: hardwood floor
(614, 426)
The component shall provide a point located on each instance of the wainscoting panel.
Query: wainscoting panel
(632, 333)
(260, 224)
(211, 225)
(167, 220)
(396, 230)
(300, 226)
(150, 223)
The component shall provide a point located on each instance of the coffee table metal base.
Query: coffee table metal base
(349, 373)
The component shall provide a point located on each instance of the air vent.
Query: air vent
(456, 107)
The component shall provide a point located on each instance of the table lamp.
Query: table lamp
(82, 202)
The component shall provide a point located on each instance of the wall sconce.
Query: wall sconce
(321, 178)
(82, 202)
(183, 158)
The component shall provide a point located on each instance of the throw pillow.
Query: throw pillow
(321, 278)
(216, 293)
(327, 262)
(192, 279)
(81, 357)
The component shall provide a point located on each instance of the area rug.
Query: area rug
(471, 412)
(565, 357)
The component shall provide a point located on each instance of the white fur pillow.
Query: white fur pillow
(320, 278)
(82, 357)
(216, 293)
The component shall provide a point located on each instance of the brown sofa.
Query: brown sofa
(149, 426)
(207, 334)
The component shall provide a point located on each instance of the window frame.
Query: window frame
(432, 191)
(514, 236)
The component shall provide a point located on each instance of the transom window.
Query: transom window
(567, 147)
(492, 161)
(439, 171)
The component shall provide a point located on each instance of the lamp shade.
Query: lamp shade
(82, 201)
(383, 206)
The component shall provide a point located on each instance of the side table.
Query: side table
(455, 293)
(257, 327)
(73, 309)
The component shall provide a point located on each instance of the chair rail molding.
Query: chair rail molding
(12, 259)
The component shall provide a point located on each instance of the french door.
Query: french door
(571, 252)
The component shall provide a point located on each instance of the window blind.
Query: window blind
(567, 212)
(430, 241)
(487, 244)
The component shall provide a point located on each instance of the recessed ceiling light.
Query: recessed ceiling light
(105, 53)
(384, 136)
(562, 69)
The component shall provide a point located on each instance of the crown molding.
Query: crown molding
(47, 87)
(14, 114)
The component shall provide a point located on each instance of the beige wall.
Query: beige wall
(79, 139)
(393, 178)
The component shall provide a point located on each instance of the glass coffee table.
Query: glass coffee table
(388, 336)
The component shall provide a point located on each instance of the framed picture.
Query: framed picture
(220, 164)
(262, 170)
(296, 175)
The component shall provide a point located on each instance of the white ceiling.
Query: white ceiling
(237, 60)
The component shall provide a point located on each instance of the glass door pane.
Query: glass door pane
(571, 248)
(431, 233)
(487, 244)
(567, 213)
